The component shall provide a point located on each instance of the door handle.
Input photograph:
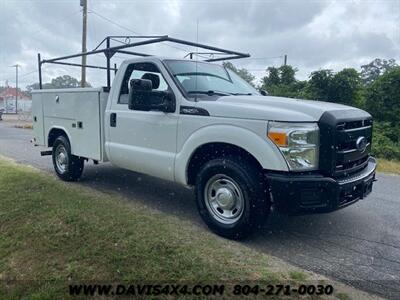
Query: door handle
(113, 120)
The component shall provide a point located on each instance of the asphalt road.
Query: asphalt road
(359, 245)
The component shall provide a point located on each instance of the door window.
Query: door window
(141, 71)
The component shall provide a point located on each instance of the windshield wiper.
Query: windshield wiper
(242, 94)
(210, 92)
(202, 74)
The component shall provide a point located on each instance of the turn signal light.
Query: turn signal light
(279, 138)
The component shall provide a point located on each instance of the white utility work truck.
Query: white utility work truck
(201, 125)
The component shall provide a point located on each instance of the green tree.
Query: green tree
(65, 81)
(345, 87)
(382, 100)
(370, 72)
(282, 82)
(60, 82)
(318, 87)
(386, 140)
(287, 75)
(244, 73)
(383, 97)
(272, 78)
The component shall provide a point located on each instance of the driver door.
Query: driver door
(142, 141)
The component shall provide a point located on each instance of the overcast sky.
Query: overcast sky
(314, 34)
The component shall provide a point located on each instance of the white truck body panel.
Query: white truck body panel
(142, 141)
(195, 131)
(270, 108)
(78, 112)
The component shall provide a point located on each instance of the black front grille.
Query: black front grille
(354, 124)
(352, 165)
(339, 154)
(349, 158)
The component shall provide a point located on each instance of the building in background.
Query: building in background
(7, 100)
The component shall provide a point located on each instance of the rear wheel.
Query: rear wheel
(67, 166)
(232, 197)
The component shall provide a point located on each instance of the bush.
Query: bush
(384, 141)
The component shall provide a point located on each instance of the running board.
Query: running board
(44, 153)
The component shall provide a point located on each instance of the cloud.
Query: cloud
(314, 34)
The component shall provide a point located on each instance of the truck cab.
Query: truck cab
(201, 125)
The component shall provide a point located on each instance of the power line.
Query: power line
(62, 19)
(130, 30)
(26, 74)
(112, 22)
(42, 29)
(137, 33)
(19, 76)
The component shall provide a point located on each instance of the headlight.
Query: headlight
(298, 143)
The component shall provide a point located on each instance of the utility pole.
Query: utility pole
(16, 66)
(285, 60)
(84, 33)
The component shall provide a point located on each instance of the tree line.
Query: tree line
(60, 82)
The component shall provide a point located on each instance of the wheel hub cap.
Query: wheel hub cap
(224, 199)
(61, 158)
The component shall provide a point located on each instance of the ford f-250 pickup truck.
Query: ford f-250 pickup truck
(201, 125)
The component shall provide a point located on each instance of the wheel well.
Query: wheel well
(210, 151)
(54, 134)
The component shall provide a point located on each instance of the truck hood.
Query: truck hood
(270, 108)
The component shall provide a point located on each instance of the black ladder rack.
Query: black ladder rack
(109, 51)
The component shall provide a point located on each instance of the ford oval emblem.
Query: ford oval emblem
(361, 144)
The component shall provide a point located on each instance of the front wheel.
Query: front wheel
(232, 197)
(67, 166)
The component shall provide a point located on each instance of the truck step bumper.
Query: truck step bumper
(313, 193)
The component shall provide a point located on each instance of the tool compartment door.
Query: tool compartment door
(77, 112)
(86, 132)
(59, 104)
(37, 117)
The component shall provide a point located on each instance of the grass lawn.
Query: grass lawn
(53, 234)
(389, 166)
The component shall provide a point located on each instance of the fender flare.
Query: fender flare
(263, 150)
(60, 128)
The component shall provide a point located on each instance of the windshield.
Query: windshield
(199, 77)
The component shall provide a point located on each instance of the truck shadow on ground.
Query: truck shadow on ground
(177, 200)
(167, 196)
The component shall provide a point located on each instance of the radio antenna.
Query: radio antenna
(197, 57)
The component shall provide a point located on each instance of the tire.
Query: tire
(232, 197)
(67, 166)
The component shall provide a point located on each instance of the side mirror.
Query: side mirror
(264, 92)
(142, 97)
(141, 84)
